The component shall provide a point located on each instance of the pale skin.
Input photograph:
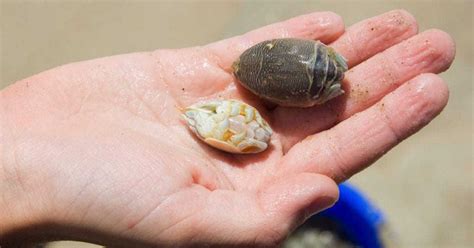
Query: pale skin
(97, 150)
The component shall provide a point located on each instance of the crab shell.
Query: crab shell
(229, 125)
(291, 72)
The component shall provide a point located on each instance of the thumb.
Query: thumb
(295, 198)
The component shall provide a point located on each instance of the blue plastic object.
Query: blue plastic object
(357, 219)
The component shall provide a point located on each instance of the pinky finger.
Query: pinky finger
(358, 141)
(324, 26)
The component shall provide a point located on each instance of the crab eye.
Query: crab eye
(229, 125)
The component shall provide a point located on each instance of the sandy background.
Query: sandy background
(425, 185)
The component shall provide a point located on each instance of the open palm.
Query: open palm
(102, 143)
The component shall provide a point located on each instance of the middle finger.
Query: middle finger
(431, 51)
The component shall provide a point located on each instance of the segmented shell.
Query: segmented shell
(229, 125)
(292, 72)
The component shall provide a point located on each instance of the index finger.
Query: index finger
(355, 143)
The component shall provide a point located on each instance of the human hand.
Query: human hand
(96, 150)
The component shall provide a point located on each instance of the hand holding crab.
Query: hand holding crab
(97, 150)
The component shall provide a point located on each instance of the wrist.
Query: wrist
(20, 204)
